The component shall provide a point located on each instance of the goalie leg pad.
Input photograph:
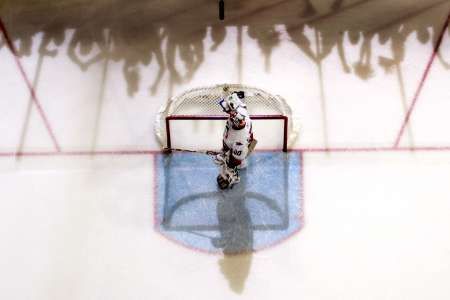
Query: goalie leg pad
(220, 159)
(243, 165)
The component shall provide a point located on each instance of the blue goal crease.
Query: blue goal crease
(260, 211)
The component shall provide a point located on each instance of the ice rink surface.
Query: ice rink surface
(80, 166)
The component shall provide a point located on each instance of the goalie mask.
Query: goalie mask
(232, 102)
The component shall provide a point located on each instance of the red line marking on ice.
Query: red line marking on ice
(112, 152)
(376, 149)
(155, 193)
(29, 85)
(422, 82)
(153, 152)
(79, 153)
(302, 189)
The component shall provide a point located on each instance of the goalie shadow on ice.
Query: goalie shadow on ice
(264, 209)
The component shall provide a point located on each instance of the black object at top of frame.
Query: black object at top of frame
(221, 10)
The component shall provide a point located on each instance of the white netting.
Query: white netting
(204, 101)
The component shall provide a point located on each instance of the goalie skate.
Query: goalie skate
(227, 178)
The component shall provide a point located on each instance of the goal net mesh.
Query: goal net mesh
(203, 103)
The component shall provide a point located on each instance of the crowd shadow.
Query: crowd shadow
(172, 35)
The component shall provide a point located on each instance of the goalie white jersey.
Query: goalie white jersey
(238, 140)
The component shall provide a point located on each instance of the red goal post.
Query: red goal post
(197, 115)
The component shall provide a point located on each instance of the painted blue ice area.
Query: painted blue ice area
(260, 211)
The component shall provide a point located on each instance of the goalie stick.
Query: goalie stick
(251, 147)
(207, 152)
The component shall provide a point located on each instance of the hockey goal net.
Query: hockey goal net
(194, 120)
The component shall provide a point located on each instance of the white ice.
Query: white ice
(78, 224)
